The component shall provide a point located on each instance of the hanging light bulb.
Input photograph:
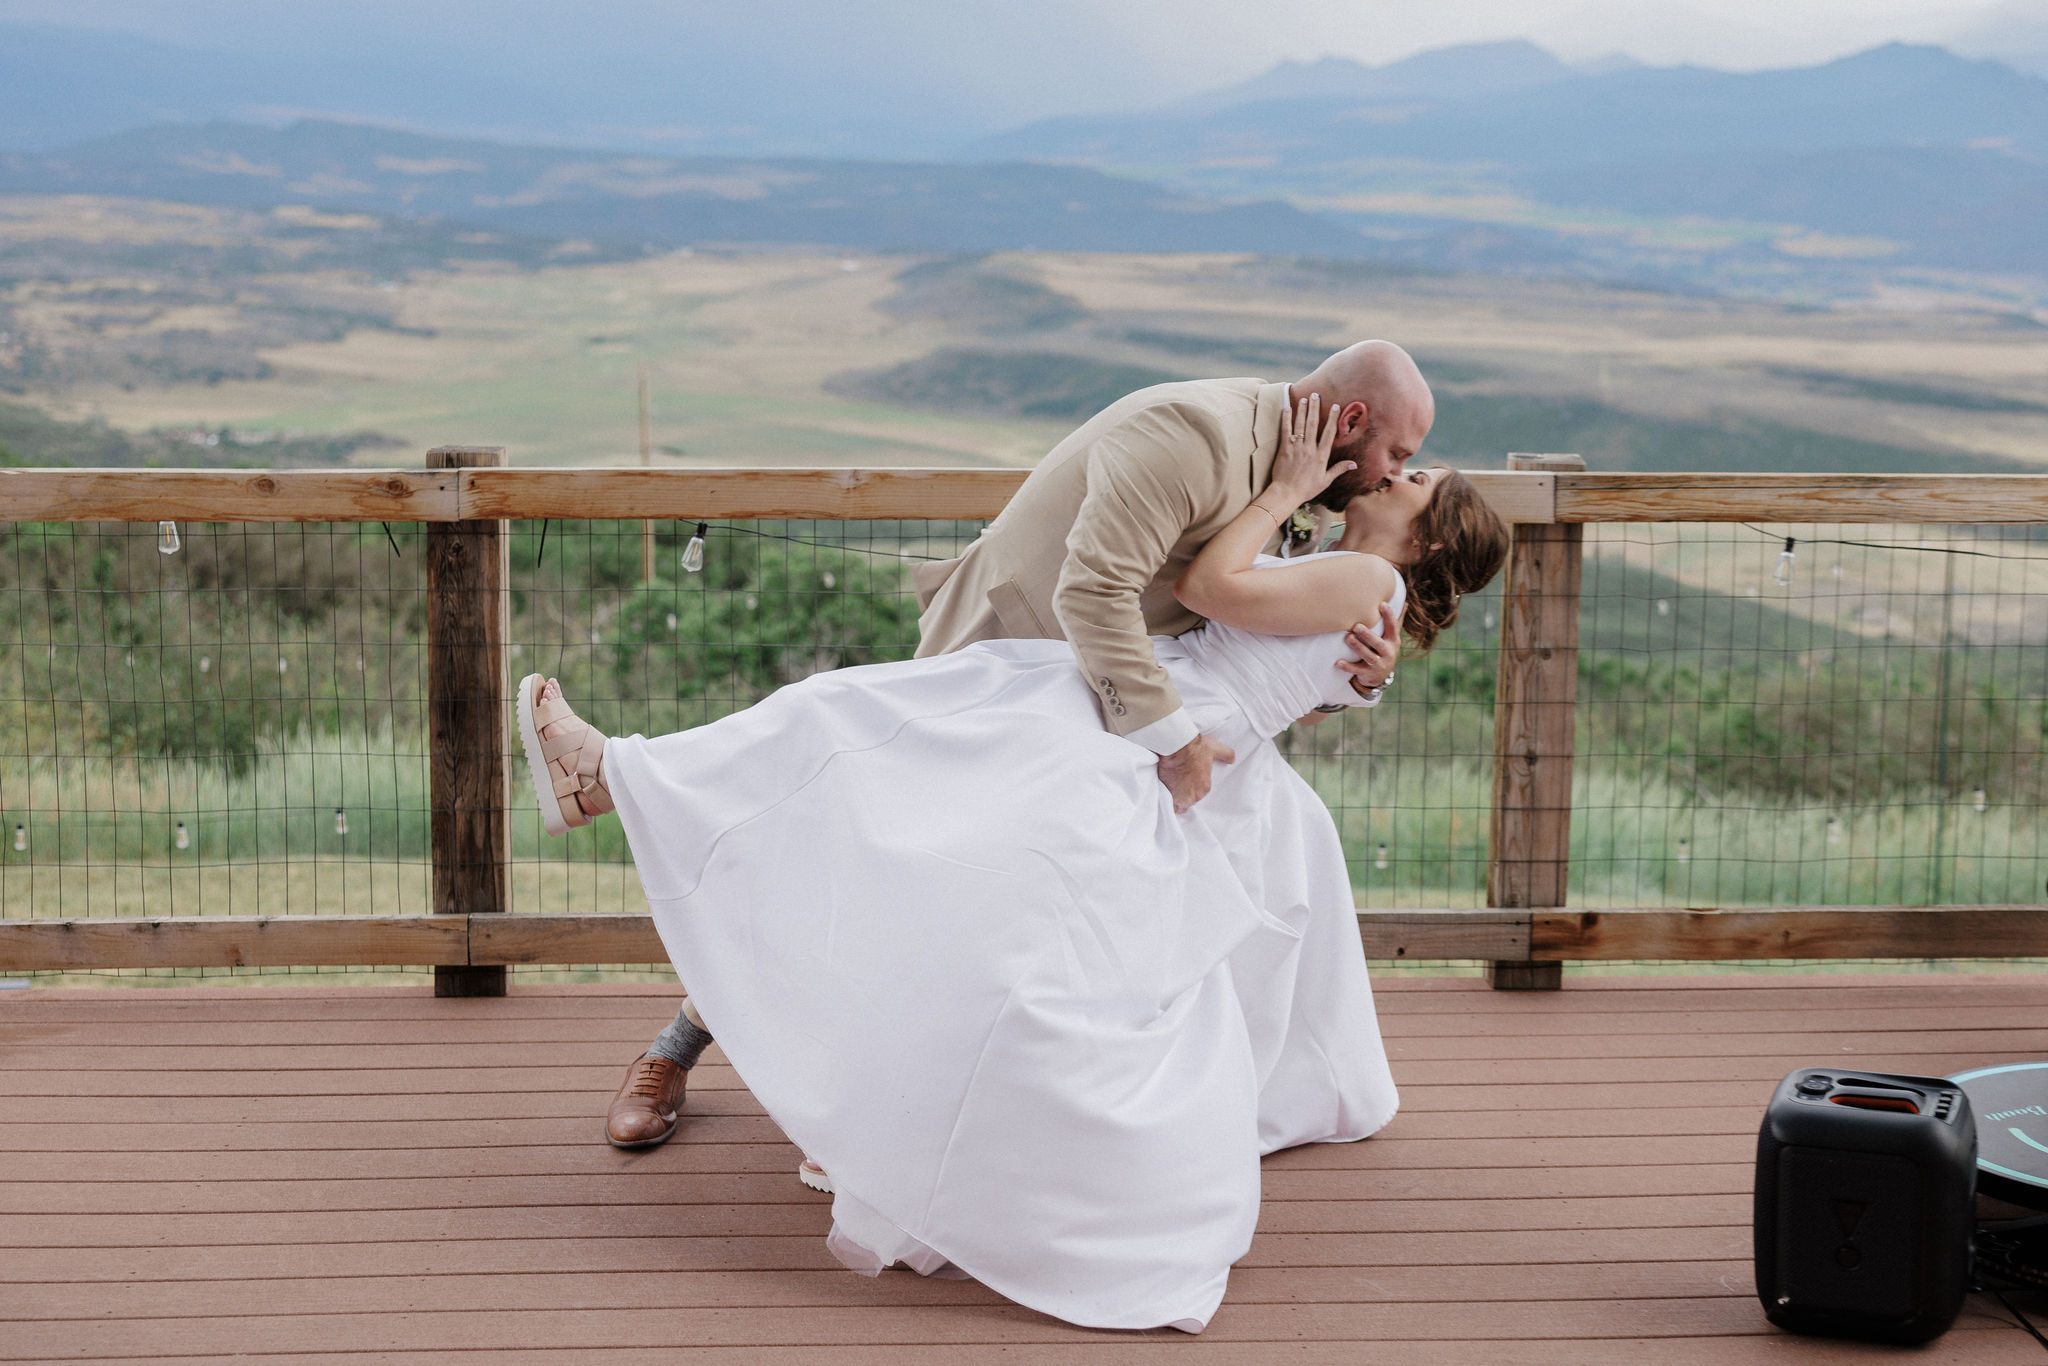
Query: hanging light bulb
(181, 840)
(1663, 607)
(280, 664)
(166, 538)
(828, 580)
(1782, 575)
(20, 838)
(693, 553)
(671, 621)
(1491, 621)
(752, 602)
(1380, 859)
(340, 821)
(1834, 830)
(1980, 801)
(1685, 851)
(205, 663)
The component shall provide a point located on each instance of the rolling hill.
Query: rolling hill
(663, 201)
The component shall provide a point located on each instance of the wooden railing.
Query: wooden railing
(466, 495)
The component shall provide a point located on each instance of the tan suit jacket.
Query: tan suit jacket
(1090, 547)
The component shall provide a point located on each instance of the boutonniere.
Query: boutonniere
(1301, 527)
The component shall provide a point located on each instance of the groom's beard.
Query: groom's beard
(1349, 485)
(1335, 498)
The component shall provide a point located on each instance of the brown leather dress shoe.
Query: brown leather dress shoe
(643, 1114)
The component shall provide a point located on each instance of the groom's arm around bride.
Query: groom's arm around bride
(1090, 547)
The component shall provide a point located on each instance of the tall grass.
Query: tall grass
(102, 838)
(1638, 840)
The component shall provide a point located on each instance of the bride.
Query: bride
(1037, 1026)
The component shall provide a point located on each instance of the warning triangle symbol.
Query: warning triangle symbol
(1848, 1214)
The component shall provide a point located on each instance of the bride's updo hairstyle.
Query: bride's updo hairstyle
(1473, 545)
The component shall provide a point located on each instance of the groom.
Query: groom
(1090, 547)
(1088, 552)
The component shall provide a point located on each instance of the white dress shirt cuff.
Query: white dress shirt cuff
(1168, 734)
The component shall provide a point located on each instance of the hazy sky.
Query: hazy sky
(979, 61)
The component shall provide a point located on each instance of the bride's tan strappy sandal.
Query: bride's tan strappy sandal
(564, 755)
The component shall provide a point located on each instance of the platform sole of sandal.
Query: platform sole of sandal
(536, 764)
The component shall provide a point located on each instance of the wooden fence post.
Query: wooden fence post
(1529, 849)
(468, 619)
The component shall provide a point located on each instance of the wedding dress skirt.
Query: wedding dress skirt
(1037, 1026)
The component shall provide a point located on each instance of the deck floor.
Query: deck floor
(238, 1173)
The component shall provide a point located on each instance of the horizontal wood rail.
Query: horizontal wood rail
(451, 495)
(1793, 932)
(488, 940)
(124, 495)
(1540, 935)
(1910, 498)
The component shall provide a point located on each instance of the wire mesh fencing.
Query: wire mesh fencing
(235, 724)
(1811, 715)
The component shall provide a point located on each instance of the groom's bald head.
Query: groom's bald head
(1383, 409)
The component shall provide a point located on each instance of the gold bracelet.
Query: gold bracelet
(1278, 520)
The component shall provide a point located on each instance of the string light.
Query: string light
(693, 553)
(340, 821)
(822, 545)
(1685, 851)
(1782, 575)
(166, 538)
(1380, 860)
(181, 840)
(1980, 801)
(205, 663)
(1834, 830)
(1923, 547)
(20, 838)
(1663, 607)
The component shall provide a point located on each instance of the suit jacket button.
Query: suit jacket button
(1118, 709)
(1102, 682)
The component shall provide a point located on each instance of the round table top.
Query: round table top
(2010, 1103)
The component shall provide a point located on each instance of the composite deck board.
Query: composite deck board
(1310, 1164)
(312, 1194)
(312, 1174)
(217, 1047)
(1996, 1349)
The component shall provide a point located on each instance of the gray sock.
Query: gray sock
(682, 1043)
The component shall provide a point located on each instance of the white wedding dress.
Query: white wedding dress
(1037, 1026)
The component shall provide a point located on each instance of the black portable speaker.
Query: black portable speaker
(1865, 1191)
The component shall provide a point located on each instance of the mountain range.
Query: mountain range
(1943, 158)
(1486, 156)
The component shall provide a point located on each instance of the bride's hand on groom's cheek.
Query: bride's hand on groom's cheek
(1302, 468)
